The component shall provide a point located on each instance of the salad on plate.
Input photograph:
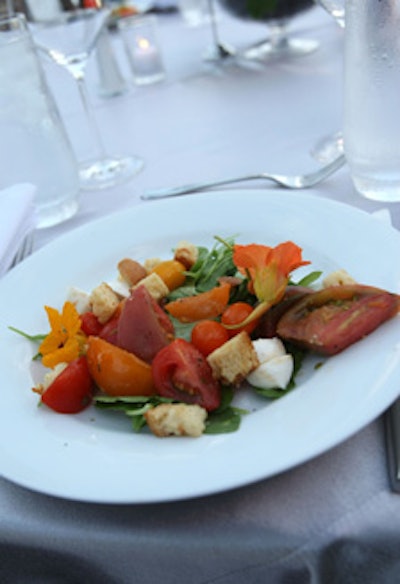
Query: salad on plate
(171, 342)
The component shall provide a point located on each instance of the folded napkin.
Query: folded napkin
(17, 218)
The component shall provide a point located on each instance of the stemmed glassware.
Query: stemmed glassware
(219, 51)
(277, 14)
(70, 40)
(329, 147)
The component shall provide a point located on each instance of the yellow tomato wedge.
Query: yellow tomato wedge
(116, 371)
(206, 305)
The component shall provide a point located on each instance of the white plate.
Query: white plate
(94, 456)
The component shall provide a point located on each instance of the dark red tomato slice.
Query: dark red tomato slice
(181, 372)
(109, 331)
(143, 327)
(208, 335)
(266, 328)
(332, 319)
(72, 390)
(90, 324)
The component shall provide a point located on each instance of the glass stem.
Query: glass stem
(278, 35)
(90, 116)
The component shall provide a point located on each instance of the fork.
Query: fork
(24, 250)
(301, 181)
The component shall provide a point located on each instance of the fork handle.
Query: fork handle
(192, 188)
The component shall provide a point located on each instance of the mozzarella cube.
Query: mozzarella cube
(267, 349)
(80, 299)
(274, 373)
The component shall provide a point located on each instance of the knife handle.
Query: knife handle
(392, 423)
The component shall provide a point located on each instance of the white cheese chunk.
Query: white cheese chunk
(267, 349)
(274, 373)
(79, 298)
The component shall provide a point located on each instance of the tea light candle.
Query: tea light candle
(140, 39)
(145, 57)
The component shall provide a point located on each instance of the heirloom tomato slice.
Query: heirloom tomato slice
(181, 372)
(143, 327)
(206, 305)
(116, 371)
(331, 319)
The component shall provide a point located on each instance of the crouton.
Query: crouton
(234, 360)
(338, 278)
(176, 420)
(155, 286)
(131, 271)
(186, 253)
(104, 302)
(151, 263)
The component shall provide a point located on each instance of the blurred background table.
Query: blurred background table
(333, 519)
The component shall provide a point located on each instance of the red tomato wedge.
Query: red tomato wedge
(181, 372)
(206, 305)
(72, 390)
(332, 319)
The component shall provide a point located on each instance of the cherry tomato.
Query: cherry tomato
(235, 314)
(116, 371)
(90, 324)
(181, 372)
(208, 335)
(71, 390)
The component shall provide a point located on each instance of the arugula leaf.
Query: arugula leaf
(225, 419)
(212, 264)
(309, 279)
(223, 422)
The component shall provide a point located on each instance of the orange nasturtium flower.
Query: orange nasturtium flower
(268, 269)
(64, 342)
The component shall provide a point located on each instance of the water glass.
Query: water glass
(34, 145)
(371, 97)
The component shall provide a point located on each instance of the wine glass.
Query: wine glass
(220, 51)
(69, 40)
(329, 147)
(277, 14)
(335, 8)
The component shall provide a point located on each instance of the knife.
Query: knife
(392, 423)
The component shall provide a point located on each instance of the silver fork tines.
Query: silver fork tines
(24, 250)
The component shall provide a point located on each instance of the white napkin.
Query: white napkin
(17, 220)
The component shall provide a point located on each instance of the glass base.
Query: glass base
(281, 47)
(385, 189)
(51, 215)
(108, 172)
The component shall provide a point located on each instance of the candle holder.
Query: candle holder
(139, 36)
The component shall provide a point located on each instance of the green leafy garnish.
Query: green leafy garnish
(34, 338)
(225, 419)
(212, 265)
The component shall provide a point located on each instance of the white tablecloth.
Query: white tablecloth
(331, 520)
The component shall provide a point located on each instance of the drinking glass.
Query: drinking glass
(34, 144)
(277, 14)
(69, 40)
